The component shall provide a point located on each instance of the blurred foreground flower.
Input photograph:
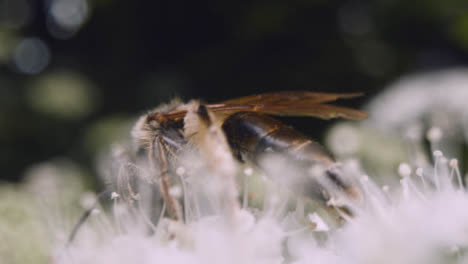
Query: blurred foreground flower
(31, 213)
(422, 220)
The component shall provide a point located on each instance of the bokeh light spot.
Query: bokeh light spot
(66, 17)
(63, 94)
(31, 56)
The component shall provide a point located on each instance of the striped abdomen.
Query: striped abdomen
(251, 134)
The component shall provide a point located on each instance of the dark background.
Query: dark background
(116, 59)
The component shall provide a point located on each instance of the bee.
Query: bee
(247, 128)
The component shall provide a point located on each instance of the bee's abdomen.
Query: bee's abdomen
(251, 134)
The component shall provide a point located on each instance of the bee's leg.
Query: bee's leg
(164, 178)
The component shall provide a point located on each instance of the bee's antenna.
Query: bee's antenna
(84, 217)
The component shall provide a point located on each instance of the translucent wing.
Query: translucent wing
(288, 103)
(286, 97)
(294, 103)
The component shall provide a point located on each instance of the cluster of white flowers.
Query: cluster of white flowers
(422, 220)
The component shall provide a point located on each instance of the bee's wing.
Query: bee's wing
(287, 103)
(286, 97)
(297, 103)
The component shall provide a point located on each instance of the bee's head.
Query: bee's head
(145, 129)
